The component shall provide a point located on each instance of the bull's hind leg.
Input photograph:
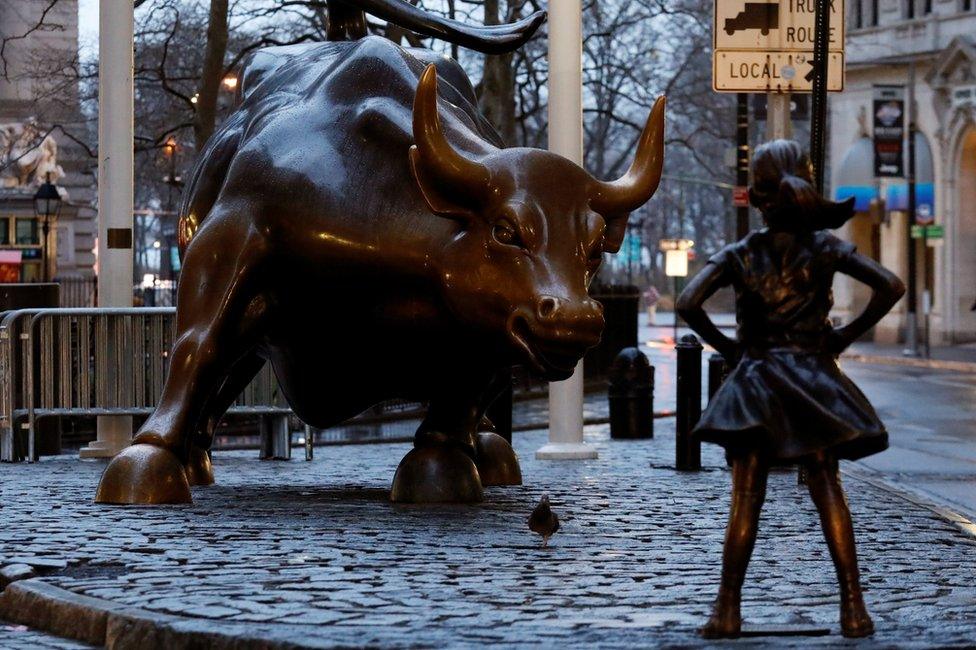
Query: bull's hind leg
(199, 470)
(441, 466)
(496, 460)
(218, 321)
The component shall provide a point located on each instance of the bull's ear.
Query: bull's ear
(613, 238)
(437, 198)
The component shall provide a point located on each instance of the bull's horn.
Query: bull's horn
(436, 155)
(640, 182)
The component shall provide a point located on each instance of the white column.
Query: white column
(115, 187)
(566, 139)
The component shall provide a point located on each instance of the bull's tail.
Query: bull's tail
(347, 21)
(207, 178)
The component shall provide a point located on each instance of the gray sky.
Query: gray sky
(88, 26)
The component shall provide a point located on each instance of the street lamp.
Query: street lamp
(47, 206)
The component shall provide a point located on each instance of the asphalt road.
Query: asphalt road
(931, 418)
(930, 415)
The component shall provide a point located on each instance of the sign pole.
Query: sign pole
(818, 125)
(742, 161)
(778, 123)
(566, 139)
(911, 334)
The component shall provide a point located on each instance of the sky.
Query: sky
(88, 26)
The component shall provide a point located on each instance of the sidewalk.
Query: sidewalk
(297, 554)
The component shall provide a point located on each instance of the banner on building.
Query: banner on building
(889, 131)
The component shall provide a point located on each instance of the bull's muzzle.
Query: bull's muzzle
(554, 335)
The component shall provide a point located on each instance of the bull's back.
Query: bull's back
(302, 104)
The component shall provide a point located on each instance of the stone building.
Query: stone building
(29, 108)
(885, 40)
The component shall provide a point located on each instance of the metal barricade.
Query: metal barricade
(90, 362)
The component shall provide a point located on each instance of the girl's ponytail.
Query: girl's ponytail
(783, 191)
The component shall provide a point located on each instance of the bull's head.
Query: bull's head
(533, 227)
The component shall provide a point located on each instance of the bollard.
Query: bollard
(275, 437)
(309, 442)
(718, 370)
(631, 395)
(688, 450)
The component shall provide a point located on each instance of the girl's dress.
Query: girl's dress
(787, 395)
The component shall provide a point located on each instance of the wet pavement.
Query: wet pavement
(313, 554)
(285, 554)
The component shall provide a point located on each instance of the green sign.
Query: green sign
(928, 232)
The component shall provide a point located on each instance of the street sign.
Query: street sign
(676, 244)
(785, 72)
(740, 196)
(936, 231)
(768, 46)
(889, 131)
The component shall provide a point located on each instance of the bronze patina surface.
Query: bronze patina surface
(786, 401)
(357, 224)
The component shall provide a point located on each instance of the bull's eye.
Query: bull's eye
(505, 233)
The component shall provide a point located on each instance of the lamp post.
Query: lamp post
(47, 206)
(169, 222)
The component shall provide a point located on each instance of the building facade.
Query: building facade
(892, 42)
(37, 108)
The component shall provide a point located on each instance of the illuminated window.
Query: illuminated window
(26, 232)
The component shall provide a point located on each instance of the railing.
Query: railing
(78, 291)
(90, 362)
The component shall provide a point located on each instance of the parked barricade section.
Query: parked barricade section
(90, 362)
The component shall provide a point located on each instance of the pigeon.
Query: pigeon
(543, 520)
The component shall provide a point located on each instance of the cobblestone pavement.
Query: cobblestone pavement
(314, 553)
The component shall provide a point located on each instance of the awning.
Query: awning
(857, 179)
(857, 175)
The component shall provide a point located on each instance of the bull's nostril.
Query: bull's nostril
(547, 307)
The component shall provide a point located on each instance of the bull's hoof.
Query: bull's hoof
(144, 475)
(497, 462)
(199, 470)
(436, 474)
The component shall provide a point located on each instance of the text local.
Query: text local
(756, 70)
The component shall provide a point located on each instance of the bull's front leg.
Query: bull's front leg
(448, 452)
(218, 322)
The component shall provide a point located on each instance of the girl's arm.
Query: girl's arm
(689, 307)
(888, 289)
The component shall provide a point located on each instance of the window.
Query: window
(927, 7)
(26, 232)
(4, 231)
(909, 9)
(874, 13)
(967, 5)
(858, 14)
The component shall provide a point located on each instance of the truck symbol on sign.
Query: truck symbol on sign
(763, 16)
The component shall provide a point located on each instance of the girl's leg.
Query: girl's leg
(828, 495)
(749, 473)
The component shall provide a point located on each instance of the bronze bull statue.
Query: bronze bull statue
(357, 224)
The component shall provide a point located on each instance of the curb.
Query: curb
(913, 362)
(964, 524)
(42, 606)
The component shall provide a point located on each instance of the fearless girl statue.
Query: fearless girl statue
(786, 401)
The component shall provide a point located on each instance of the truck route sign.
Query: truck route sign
(767, 46)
